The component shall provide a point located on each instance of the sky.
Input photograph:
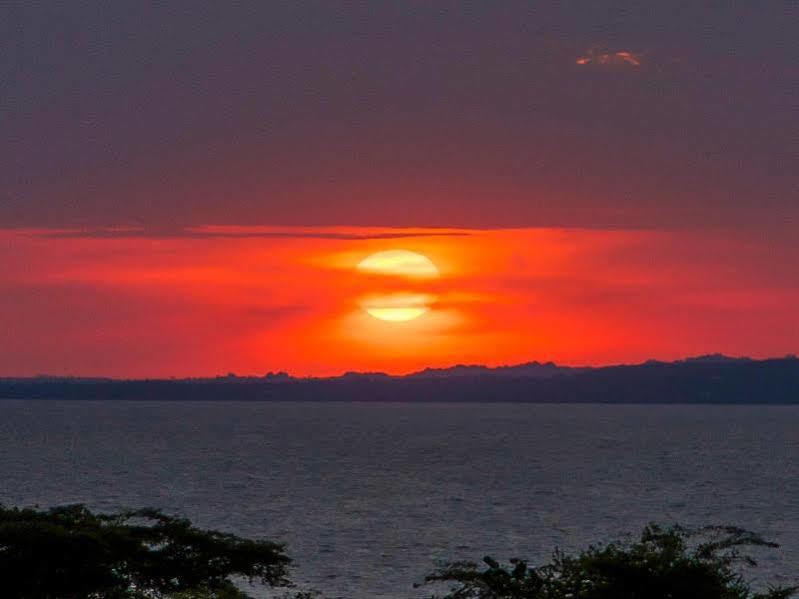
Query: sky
(187, 189)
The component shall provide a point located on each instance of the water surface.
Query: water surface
(370, 496)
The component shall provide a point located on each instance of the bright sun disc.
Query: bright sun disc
(398, 307)
(403, 263)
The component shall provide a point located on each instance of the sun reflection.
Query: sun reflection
(398, 307)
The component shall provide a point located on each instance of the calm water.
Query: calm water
(370, 497)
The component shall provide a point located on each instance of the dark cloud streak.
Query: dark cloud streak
(188, 234)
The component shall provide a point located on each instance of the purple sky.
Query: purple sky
(399, 114)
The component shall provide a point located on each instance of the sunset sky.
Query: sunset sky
(189, 190)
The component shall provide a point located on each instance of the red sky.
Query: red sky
(250, 300)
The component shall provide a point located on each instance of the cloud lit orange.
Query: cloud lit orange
(606, 58)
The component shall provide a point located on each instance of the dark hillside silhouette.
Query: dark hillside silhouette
(713, 379)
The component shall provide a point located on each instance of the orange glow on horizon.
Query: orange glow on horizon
(250, 300)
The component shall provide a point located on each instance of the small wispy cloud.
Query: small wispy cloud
(601, 57)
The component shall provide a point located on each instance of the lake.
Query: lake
(369, 497)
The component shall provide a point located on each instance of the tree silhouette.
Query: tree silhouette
(71, 553)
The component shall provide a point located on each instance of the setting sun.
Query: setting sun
(403, 264)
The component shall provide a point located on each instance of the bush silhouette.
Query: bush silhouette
(71, 553)
(671, 563)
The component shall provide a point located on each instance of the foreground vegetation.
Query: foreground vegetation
(672, 563)
(71, 553)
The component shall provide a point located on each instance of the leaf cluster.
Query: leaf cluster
(71, 553)
(664, 563)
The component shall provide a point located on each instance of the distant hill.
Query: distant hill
(714, 359)
(530, 369)
(704, 379)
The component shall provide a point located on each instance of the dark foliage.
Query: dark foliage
(71, 553)
(672, 563)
